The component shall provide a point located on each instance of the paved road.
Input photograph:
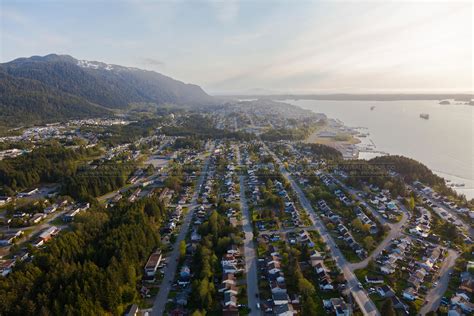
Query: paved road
(36, 229)
(459, 221)
(395, 228)
(363, 202)
(250, 254)
(170, 270)
(433, 298)
(360, 296)
(395, 232)
(139, 182)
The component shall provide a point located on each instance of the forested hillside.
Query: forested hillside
(92, 269)
(58, 87)
(30, 101)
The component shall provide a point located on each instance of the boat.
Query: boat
(456, 185)
(425, 116)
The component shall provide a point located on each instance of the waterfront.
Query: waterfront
(444, 142)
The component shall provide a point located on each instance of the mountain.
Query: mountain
(87, 87)
(26, 101)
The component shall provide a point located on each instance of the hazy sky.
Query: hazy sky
(278, 46)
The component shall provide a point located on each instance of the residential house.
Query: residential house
(278, 285)
(274, 267)
(338, 306)
(374, 280)
(385, 291)
(50, 209)
(464, 304)
(409, 294)
(49, 233)
(6, 266)
(133, 311)
(152, 264)
(184, 276)
(230, 299)
(38, 217)
(280, 298)
(283, 310)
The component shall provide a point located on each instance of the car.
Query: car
(258, 305)
(435, 284)
(360, 285)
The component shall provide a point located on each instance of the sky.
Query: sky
(258, 46)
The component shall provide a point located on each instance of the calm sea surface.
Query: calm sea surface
(445, 142)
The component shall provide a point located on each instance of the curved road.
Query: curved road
(395, 228)
(360, 296)
(459, 221)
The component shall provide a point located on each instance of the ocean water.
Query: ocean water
(444, 142)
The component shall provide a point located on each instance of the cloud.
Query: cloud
(247, 37)
(151, 61)
(13, 16)
(226, 11)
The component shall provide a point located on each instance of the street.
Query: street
(33, 230)
(249, 252)
(130, 186)
(249, 249)
(361, 297)
(170, 270)
(433, 298)
(396, 229)
(457, 220)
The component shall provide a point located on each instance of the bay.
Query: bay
(444, 142)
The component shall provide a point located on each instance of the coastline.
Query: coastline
(376, 142)
(336, 135)
(467, 189)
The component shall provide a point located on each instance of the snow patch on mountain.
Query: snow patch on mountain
(94, 65)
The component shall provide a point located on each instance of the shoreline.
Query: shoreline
(367, 149)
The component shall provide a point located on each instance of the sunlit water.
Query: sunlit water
(444, 142)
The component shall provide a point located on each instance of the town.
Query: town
(225, 212)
